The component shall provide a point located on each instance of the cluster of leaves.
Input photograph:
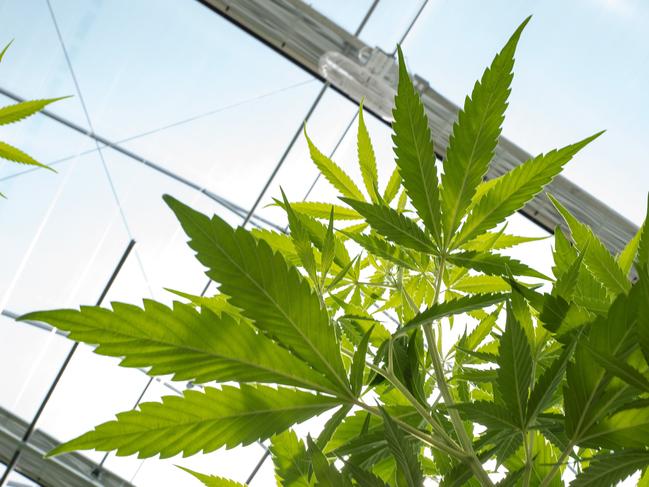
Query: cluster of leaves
(15, 113)
(537, 383)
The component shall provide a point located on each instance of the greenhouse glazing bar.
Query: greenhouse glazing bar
(71, 470)
(312, 41)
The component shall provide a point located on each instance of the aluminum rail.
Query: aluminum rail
(306, 37)
(69, 470)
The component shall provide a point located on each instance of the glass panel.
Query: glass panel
(325, 127)
(578, 70)
(91, 391)
(34, 67)
(65, 236)
(33, 356)
(347, 157)
(206, 108)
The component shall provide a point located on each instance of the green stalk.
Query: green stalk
(426, 438)
(438, 367)
(529, 436)
(471, 459)
(397, 384)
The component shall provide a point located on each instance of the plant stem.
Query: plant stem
(528, 440)
(529, 436)
(397, 384)
(438, 367)
(426, 438)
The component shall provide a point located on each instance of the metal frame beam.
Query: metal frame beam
(69, 470)
(304, 36)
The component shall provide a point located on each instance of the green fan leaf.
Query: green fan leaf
(217, 304)
(492, 415)
(269, 292)
(628, 428)
(202, 421)
(363, 477)
(14, 154)
(472, 143)
(290, 459)
(367, 159)
(493, 264)
(481, 331)
(301, 240)
(332, 425)
(323, 210)
(515, 188)
(392, 188)
(19, 111)
(497, 241)
(481, 284)
(4, 51)
(515, 372)
(611, 468)
(404, 454)
(415, 157)
(212, 480)
(333, 173)
(380, 248)
(358, 363)
(643, 244)
(328, 247)
(621, 369)
(627, 256)
(585, 394)
(318, 232)
(279, 242)
(393, 225)
(325, 472)
(640, 297)
(547, 384)
(180, 341)
(451, 307)
(598, 259)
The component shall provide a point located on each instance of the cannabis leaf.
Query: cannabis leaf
(414, 152)
(367, 159)
(290, 459)
(189, 345)
(212, 480)
(267, 290)
(333, 173)
(393, 225)
(514, 189)
(202, 421)
(15, 113)
(515, 372)
(611, 468)
(598, 259)
(473, 141)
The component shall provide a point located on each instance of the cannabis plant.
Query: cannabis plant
(355, 320)
(14, 113)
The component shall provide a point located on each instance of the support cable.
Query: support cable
(227, 204)
(99, 149)
(158, 129)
